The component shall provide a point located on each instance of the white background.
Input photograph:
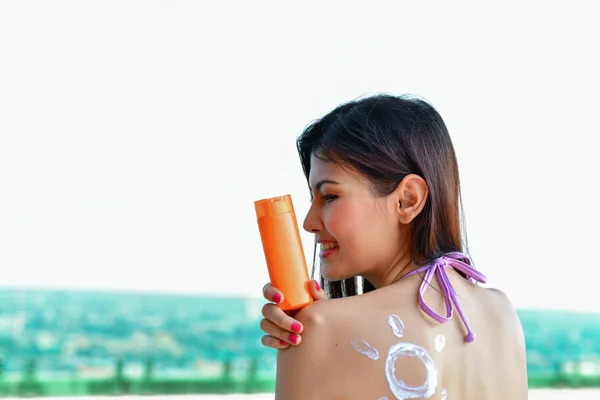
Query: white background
(135, 135)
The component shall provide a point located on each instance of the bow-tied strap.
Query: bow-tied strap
(438, 268)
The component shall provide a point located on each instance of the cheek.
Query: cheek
(346, 222)
(361, 231)
(335, 221)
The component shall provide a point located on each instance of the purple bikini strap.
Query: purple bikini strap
(438, 268)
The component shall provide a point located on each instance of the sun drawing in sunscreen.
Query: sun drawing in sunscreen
(440, 342)
(399, 388)
(365, 348)
(396, 323)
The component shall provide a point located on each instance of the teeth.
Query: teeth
(328, 245)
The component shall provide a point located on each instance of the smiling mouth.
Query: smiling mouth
(328, 248)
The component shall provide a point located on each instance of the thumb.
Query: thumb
(316, 291)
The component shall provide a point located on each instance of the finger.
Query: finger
(272, 294)
(278, 317)
(273, 342)
(316, 291)
(277, 332)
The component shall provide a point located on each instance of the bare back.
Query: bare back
(381, 345)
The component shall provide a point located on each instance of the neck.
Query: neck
(401, 266)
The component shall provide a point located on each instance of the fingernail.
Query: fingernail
(294, 338)
(283, 342)
(297, 327)
(277, 298)
(317, 286)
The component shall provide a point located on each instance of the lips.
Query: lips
(328, 248)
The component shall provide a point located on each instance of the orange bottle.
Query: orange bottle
(283, 251)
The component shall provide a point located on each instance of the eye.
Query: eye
(328, 198)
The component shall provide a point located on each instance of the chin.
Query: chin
(334, 275)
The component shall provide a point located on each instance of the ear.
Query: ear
(411, 195)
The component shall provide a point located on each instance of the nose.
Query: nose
(312, 221)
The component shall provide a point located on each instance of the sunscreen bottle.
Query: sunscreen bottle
(283, 251)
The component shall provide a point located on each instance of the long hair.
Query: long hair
(385, 138)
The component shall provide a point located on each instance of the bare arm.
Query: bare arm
(302, 370)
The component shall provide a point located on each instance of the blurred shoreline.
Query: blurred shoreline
(534, 394)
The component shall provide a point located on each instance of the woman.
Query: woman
(385, 199)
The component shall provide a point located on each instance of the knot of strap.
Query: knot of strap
(460, 262)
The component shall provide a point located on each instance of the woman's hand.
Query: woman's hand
(281, 328)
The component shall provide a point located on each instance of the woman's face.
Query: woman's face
(358, 231)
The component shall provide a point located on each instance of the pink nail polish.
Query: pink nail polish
(317, 286)
(283, 343)
(294, 338)
(277, 298)
(297, 327)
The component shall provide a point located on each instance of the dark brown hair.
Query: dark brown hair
(385, 138)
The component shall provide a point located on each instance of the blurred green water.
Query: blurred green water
(76, 343)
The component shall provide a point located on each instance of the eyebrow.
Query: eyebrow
(323, 182)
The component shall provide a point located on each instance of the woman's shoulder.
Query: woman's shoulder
(505, 316)
(390, 314)
(401, 302)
